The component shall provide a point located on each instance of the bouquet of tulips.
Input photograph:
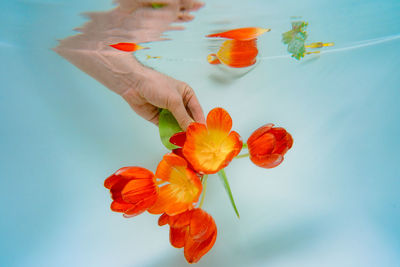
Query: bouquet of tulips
(177, 189)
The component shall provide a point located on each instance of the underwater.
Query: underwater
(214, 133)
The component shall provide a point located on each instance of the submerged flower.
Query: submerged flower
(132, 189)
(194, 230)
(267, 145)
(211, 147)
(183, 186)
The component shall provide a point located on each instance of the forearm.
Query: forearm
(117, 70)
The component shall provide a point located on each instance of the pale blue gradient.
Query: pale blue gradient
(333, 202)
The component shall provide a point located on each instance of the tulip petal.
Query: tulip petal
(178, 208)
(236, 139)
(179, 152)
(140, 207)
(120, 206)
(177, 236)
(117, 188)
(170, 162)
(265, 144)
(201, 225)
(283, 145)
(178, 139)
(259, 132)
(127, 173)
(194, 249)
(174, 160)
(167, 202)
(163, 220)
(134, 190)
(112, 180)
(267, 161)
(134, 173)
(219, 119)
(289, 140)
(134, 197)
(278, 132)
(165, 198)
(181, 220)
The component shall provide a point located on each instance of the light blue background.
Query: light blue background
(333, 202)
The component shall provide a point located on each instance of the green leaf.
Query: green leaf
(224, 180)
(167, 126)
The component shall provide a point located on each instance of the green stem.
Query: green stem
(243, 156)
(204, 180)
(224, 180)
(245, 145)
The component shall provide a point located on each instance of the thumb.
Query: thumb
(180, 113)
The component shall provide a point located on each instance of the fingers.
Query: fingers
(142, 107)
(156, 116)
(184, 17)
(190, 5)
(180, 113)
(192, 104)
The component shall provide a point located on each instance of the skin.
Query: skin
(144, 89)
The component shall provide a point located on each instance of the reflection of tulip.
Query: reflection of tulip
(268, 144)
(194, 230)
(242, 34)
(127, 47)
(236, 54)
(132, 189)
(182, 189)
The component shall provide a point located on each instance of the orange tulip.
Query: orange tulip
(127, 47)
(211, 147)
(236, 54)
(183, 186)
(179, 139)
(267, 145)
(194, 230)
(242, 34)
(132, 189)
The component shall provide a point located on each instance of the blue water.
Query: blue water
(333, 202)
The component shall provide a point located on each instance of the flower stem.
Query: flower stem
(245, 145)
(204, 180)
(243, 156)
(224, 181)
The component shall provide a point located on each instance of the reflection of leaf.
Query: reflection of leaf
(296, 38)
(224, 180)
(168, 126)
(297, 48)
(157, 5)
(287, 37)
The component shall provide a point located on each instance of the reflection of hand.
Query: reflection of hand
(144, 89)
(155, 90)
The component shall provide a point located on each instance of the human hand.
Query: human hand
(154, 90)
